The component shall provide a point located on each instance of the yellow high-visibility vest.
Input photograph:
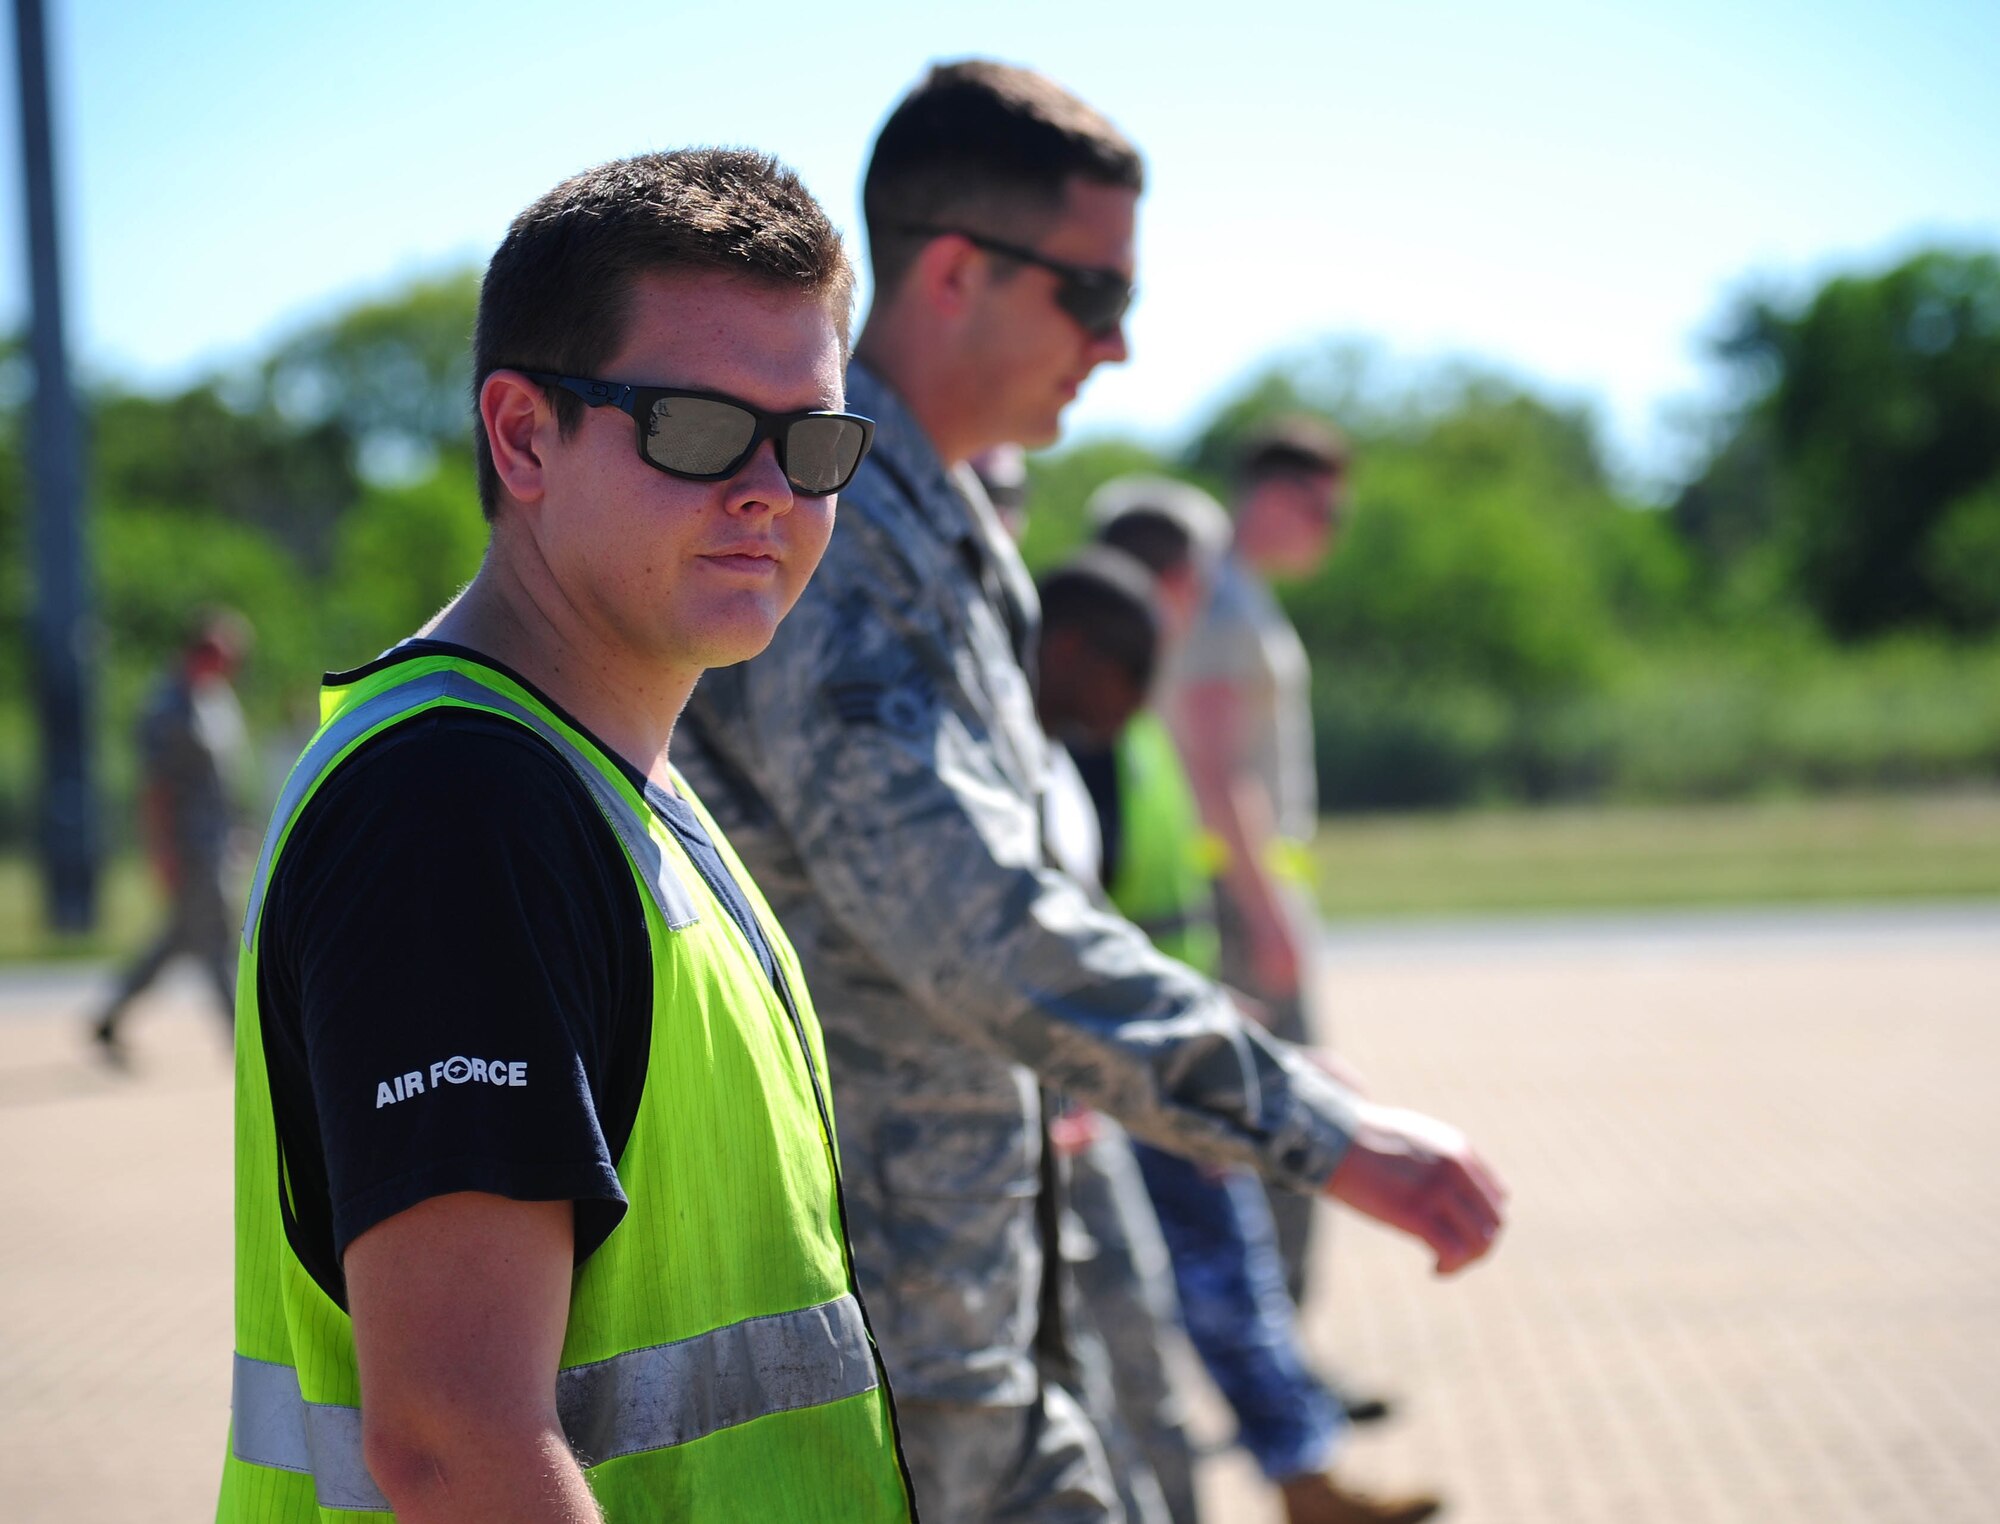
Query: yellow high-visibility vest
(717, 1363)
(1162, 882)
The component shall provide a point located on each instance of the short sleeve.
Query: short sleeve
(1223, 646)
(459, 981)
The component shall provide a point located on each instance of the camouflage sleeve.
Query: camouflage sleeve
(919, 844)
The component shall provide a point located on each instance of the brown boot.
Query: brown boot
(1318, 1499)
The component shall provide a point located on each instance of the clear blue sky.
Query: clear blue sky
(1570, 189)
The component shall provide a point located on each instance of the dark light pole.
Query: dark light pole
(59, 627)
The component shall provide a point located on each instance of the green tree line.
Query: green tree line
(1818, 607)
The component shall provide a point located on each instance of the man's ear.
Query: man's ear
(518, 420)
(948, 274)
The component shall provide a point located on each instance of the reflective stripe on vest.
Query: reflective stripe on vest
(1159, 927)
(644, 1399)
(668, 892)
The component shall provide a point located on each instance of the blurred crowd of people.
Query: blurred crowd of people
(1164, 660)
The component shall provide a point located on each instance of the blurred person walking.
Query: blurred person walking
(1124, 1310)
(1096, 657)
(882, 768)
(193, 756)
(538, 1206)
(1240, 705)
(1158, 869)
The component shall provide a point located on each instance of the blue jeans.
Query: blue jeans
(1241, 1319)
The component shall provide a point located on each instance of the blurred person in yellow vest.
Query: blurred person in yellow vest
(1120, 1278)
(1095, 663)
(539, 1209)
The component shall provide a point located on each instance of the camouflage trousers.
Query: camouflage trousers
(978, 1464)
(1126, 1318)
(201, 924)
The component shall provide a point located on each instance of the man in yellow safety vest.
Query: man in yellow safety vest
(538, 1203)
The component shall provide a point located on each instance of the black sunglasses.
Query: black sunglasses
(1098, 298)
(707, 437)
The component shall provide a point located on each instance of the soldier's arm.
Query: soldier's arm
(459, 1306)
(916, 841)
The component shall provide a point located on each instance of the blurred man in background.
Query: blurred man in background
(1125, 1309)
(1098, 651)
(1241, 711)
(882, 768)
(193, 752)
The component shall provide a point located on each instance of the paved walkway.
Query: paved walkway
(1751, 1274)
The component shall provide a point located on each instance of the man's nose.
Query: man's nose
(1111, 346)
(761, 482)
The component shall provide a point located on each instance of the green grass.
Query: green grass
(128, 907)
(1603, 857)
(1775, 852)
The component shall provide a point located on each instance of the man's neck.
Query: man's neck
(1246, 549)
(518, 616)
(938, 392)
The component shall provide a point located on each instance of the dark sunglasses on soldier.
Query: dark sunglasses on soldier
(709, 437)
(1097, 297)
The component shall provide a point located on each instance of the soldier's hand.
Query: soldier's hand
(1072, 1132)
(1419, 1175)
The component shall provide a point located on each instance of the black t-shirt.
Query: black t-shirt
(1098, 767)
(455, 982)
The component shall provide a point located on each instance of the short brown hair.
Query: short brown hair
(1157, 541)
(987, 144)
(558, 288)
(1161, 522)
(1108, 598)
(1292, 447)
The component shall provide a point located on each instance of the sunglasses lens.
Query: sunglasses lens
(822, 453)
(697, 436)
(1099, 306)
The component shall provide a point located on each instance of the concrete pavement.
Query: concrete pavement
(1750, 1275)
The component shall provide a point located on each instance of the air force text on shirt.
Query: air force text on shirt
(450, 1071)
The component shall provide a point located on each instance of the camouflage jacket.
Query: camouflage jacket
(880, 769)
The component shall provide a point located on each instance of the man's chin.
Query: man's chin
(1041, 433)
(728, 642)
(730, 653)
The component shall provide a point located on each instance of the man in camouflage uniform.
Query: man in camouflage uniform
(881, 768)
